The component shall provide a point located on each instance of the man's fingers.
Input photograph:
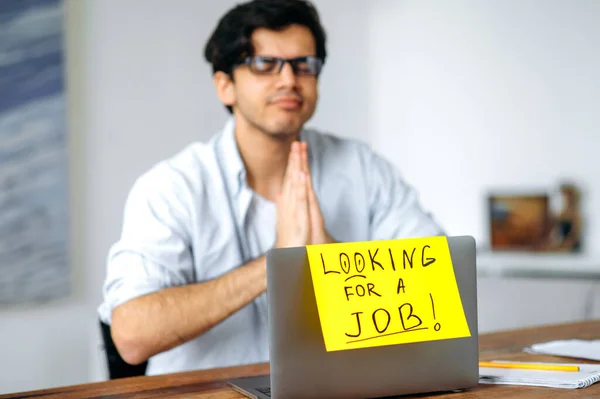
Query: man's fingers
(311, 196)
(304, 158)
(291, 169)
(313, 203)
(301, 197)
(300, 186)
(291, 164)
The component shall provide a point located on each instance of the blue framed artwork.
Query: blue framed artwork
(34, 261)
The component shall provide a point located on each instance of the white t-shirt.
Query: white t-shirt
(260, 229)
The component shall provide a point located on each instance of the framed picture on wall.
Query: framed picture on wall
(518, 222)
(34, 175)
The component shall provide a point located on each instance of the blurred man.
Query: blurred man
(186, 282)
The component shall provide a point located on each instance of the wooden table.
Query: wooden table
(210, 384)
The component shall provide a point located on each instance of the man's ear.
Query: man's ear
(225, 89)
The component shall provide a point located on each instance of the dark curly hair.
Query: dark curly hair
(230, 42)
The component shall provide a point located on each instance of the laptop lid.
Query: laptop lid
(301, 366)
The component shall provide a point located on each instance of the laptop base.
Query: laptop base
(258, 387)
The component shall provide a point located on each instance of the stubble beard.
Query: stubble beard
(279, 133)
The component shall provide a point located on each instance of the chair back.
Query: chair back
(117, 367)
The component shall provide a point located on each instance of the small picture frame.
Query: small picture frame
(518, 222)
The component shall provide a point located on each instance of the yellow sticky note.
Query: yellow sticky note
(387, 292)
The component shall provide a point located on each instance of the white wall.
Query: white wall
(140, 90)
(472, 95)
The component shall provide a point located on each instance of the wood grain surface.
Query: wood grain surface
(210, 384)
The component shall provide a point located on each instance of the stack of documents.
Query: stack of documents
(577, 348)
(587, 375)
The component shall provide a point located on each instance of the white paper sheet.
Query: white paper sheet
(588, 375)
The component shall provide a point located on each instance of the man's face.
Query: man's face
(278, 104)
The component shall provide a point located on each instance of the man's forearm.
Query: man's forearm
(159, 321)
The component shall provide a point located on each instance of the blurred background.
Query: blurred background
(468, 98)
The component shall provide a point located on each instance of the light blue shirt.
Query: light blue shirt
(179, 228)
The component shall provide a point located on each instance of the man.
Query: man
(186, 282)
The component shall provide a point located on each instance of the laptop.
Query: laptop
(300, 366)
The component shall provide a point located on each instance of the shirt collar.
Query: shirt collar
(235, 170)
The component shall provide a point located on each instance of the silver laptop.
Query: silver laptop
(302, 368)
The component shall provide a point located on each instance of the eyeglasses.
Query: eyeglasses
(302, 66)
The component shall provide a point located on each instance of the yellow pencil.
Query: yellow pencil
(528, 366)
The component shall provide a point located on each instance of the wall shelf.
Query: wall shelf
(538, 265)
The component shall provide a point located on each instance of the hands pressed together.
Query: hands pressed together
(299, 218)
